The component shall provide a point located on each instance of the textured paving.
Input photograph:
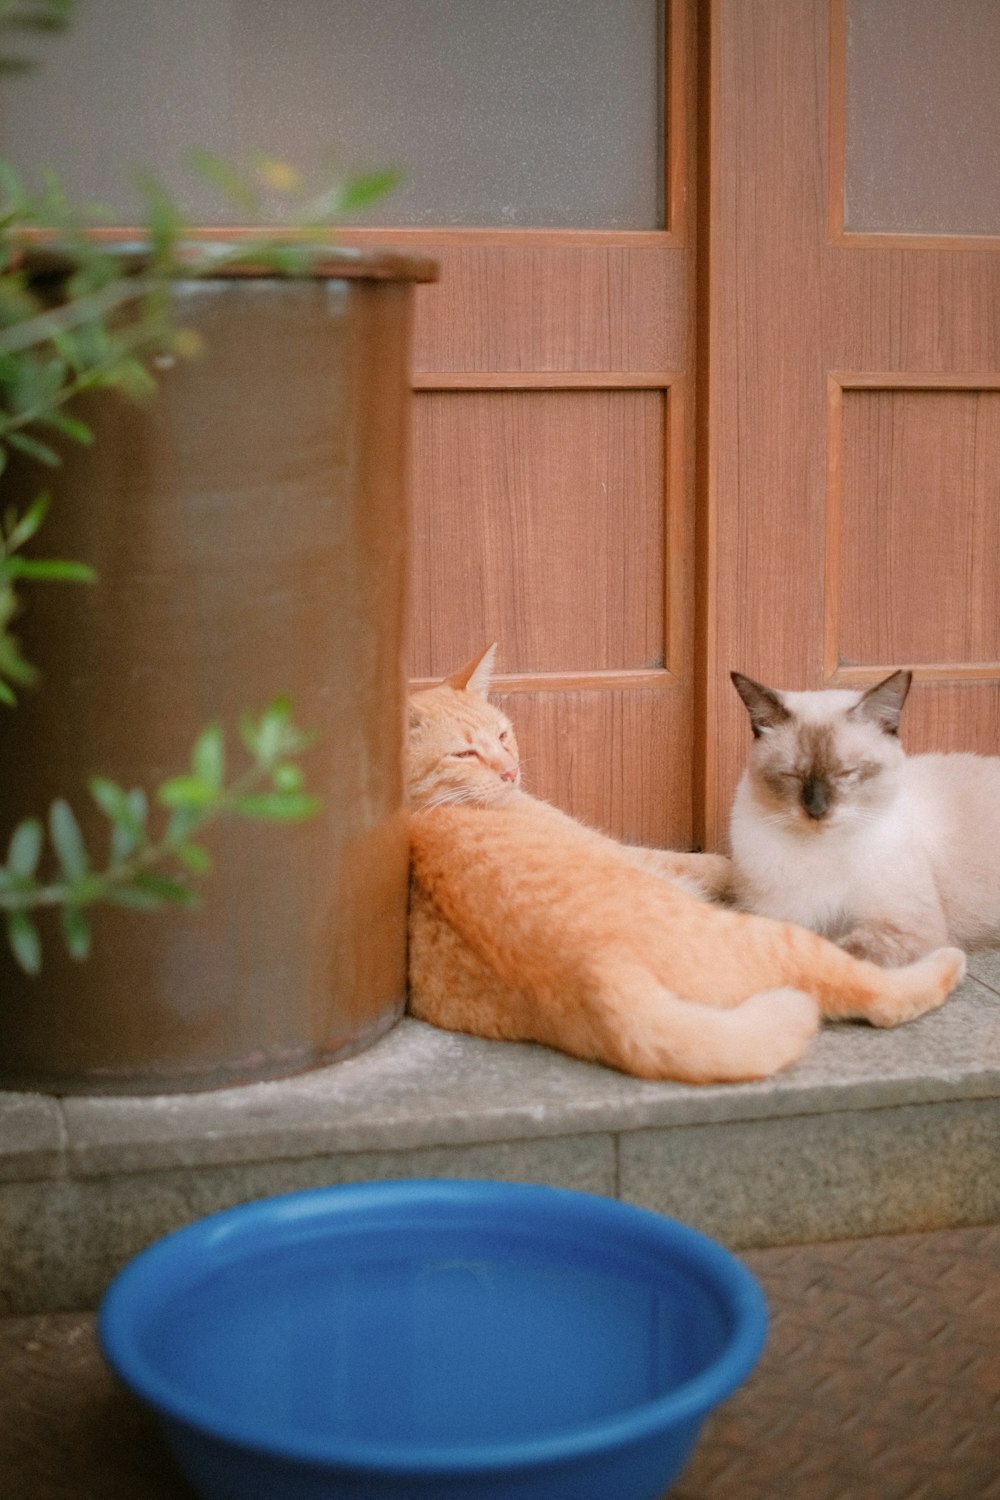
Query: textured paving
(880, 1381)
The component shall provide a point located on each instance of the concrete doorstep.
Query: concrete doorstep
(874, 1132)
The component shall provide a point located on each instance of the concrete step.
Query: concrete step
(874, 1132)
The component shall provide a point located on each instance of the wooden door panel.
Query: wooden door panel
(551, 301)
(620, 757)
(540, 520)
(850, 437)
(554, 491)
(916, 528)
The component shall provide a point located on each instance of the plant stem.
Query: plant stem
(60, 893)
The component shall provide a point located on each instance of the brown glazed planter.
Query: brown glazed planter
(249, 529)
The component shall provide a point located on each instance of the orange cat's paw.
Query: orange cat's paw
(950, 964)
(919, 987)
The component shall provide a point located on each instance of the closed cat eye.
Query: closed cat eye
(464, 754)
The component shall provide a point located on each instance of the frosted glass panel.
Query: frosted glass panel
(922, 137)
(500, 112)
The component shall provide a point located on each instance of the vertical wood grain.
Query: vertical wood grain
(790, 303)
(538, 522)
(553, 489)
(919, 518)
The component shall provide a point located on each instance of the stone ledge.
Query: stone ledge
(420, 1087)
(873, 1132)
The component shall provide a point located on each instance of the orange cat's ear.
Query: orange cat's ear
(475, 676)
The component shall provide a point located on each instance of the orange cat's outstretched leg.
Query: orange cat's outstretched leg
(641, 1028)
(613, 1012)
(859, 989)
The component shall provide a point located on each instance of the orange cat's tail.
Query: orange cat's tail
(641, 1028)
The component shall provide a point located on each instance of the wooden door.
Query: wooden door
(851, 480)
(554, 487)
(765, 435)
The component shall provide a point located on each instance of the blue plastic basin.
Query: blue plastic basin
(446, 1340)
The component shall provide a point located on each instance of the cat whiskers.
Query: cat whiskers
(450, 796)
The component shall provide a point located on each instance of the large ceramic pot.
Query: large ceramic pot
(249, 528)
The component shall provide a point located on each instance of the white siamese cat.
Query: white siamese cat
(834, 827)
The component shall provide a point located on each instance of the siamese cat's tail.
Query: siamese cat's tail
(645, 1030)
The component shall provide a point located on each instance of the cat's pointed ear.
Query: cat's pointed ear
(883, 704)
(763, 704)
(475, 676)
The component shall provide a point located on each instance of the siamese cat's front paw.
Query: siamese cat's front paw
(709, 876)
(713, 872)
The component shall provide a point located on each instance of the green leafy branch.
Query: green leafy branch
(15, 531)
(271, 788)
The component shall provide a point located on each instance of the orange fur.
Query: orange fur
(529, 926)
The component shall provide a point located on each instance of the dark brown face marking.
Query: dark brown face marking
(820, 766)
(816, 797)
(811, 779)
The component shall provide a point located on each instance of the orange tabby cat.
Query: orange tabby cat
(528, 926)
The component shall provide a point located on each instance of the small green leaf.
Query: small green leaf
(208, 758)
(186, 791)
(286, 807)
(127, 830)
(6, 696)
(111, 799)
(26, 945)
(52, 570)
(225, 178)
(76, 932)
(250, 735)
(271, 731)
(25, 847)
(71, 426)
(288, 777)
(67, 840)
(195, 857)
(184, 820)
(358, 192)
(21, 529)
(138, 807)
(166, 890)
(35, 449)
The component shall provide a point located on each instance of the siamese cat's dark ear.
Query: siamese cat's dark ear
(475, 676)
(883, 704)
(763, 704)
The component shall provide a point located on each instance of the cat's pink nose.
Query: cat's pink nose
(509, 775)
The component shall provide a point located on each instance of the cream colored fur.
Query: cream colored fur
(529, 926)
(899, 855)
